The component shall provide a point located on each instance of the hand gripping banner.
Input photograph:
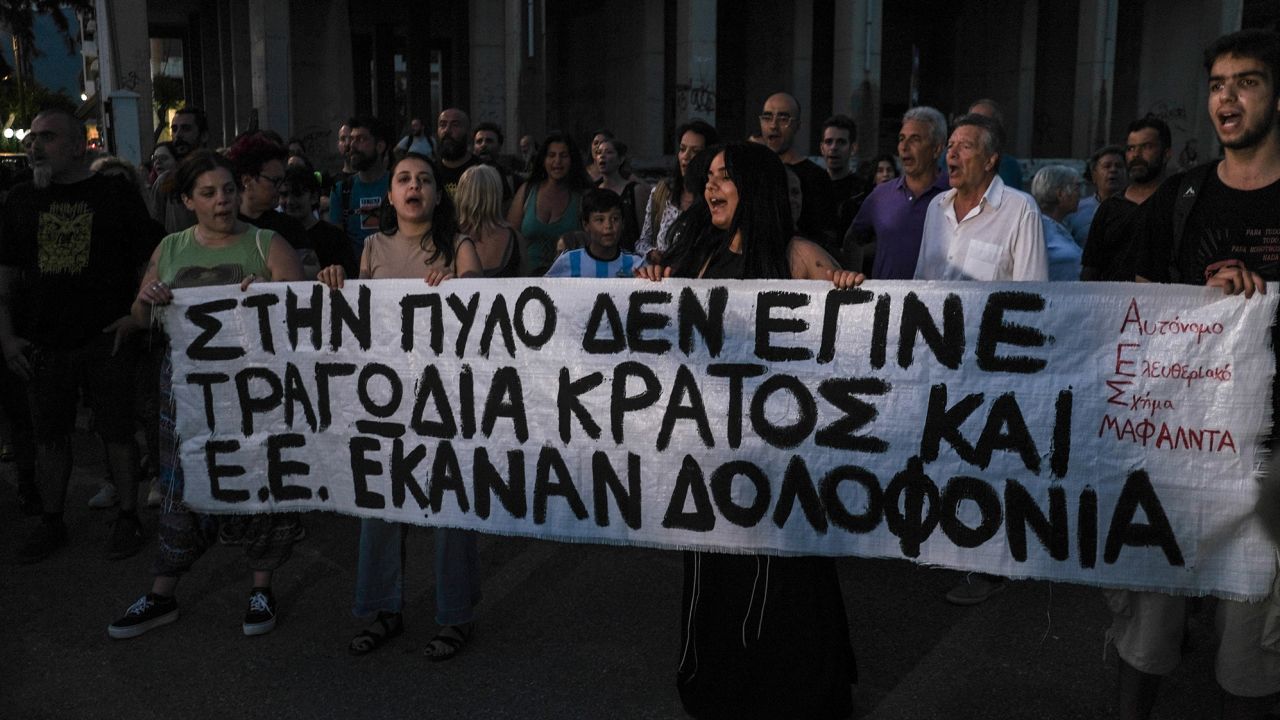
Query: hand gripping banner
(1107, 434)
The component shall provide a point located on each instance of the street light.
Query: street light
(21, 133)
(8, 133)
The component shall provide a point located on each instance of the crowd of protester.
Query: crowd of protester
(90, 247)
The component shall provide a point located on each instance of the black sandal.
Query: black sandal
(386, 626)
(448, 642)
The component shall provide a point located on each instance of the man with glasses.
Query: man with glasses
(354, 203)
(779, 123)
(259, 164)
(1107, 253)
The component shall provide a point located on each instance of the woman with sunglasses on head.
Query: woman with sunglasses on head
(763, 636)
(420, 240)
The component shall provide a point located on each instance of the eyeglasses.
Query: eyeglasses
(275, 181)
(783, 119)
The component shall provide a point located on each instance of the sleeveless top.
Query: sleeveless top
(541, 237)
(184, 262)
(510, 265)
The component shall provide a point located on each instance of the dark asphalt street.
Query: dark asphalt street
(565, 631)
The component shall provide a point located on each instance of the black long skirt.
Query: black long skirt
(764, 637)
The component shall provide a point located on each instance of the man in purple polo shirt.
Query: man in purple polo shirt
(891, 220)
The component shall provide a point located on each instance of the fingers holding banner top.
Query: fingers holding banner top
(333, 276)
(1235, 279)
(653, 272)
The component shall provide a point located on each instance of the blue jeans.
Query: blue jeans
(380, 574)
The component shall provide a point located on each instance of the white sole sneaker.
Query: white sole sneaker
(260, 628)
(132, 631)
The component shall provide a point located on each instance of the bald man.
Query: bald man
(779, 123)
(453, 143)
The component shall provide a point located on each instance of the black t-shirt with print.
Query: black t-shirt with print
(447, 177)
(1225, 227)
(80, 248)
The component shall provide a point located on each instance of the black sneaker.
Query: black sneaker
(150, 611)
(260, 618)
(126, 537)
(43, 542)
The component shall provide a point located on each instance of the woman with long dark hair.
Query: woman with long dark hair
(673, 195)
(794, 660)
(419, 238)
(547, 206)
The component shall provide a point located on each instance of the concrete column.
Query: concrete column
(324, 89)
(855, 76)
(269, 58)
(514, 29)
(384, 75)
(488, 76)
(1095, 75)
(209, 94)
(418, 63)
(696, 60)
(236, 70)
(1022, 114)
(801, 80)
(129, 49)
(646, 136)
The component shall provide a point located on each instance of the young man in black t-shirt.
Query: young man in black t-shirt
(73, 243)
(1230, 240)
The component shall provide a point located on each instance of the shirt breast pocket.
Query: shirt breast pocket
(983, 260)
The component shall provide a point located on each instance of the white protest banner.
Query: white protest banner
(1096, 433)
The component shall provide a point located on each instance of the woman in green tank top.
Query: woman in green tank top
(546, 206)
(217, 250)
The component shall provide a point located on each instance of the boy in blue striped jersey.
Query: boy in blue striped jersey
(602, 257)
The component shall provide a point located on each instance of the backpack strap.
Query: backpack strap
(1188, 191)
(346, 200)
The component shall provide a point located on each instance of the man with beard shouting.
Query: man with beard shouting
(453, 144)
(1215, 225)
(1107, 251)
(354, 203)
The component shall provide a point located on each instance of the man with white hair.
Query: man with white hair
(980, 229)
(1056, 189)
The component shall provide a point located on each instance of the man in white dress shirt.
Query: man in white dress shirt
(980, 229)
